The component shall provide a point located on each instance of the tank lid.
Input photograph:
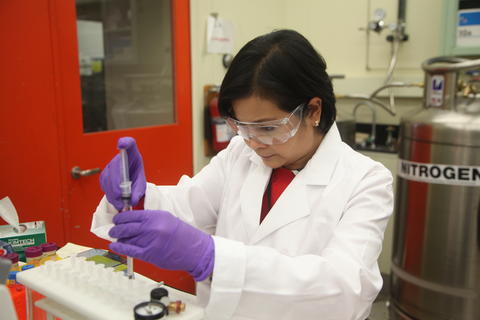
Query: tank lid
(449, 64)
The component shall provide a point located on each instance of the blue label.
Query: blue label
(469, 18)
(437, 84)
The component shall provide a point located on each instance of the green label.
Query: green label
(33, 235)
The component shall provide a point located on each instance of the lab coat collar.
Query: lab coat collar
(293, 203)
(290, 206)
(319, 168)
(251, 196)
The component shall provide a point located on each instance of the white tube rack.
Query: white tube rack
(95, 292)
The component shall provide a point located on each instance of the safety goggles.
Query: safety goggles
(269, 132)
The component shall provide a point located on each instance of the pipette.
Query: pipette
(126, 187)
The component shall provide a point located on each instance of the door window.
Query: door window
(125, 53)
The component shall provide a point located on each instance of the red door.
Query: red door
(118, 68)
(29, 150)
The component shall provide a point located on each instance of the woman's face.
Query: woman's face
(295, 152)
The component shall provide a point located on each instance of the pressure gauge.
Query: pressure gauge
(379, 14)
(149, 310)
(377, 24)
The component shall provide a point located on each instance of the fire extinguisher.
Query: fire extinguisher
(218, 132)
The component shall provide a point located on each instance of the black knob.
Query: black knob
(158, 293)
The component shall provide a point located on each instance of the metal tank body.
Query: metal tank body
(436, 251)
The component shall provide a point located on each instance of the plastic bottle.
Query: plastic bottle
(13, 257)
(12, 278)
(49, 252)
(34, 255)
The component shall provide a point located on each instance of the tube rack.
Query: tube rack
(96, 292)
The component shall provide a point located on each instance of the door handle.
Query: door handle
(77, 172)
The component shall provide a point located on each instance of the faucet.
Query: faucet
(371, 139)
(390, 142)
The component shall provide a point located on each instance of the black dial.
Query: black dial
(149, 310)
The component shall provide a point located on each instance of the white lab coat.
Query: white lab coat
(315, 254)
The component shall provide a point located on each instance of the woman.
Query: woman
(311, 254)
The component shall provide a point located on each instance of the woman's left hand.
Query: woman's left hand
(160, 238)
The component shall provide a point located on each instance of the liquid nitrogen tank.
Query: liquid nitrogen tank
(436, 250)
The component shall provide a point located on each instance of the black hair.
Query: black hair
(281, 66)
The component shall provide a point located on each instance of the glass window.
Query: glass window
(125, 53)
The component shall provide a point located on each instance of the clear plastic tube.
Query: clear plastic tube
(126, 187)
(125, 184)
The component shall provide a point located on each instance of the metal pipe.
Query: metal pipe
(399, 32)
(447, 64)
(372, 137)
(395, 85)
(396, 39)
(393, 60)
(373, 99)
(365, 98)
(391, 108)
(402, 10)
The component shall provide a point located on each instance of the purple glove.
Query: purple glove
(160, 238)
(111, 176)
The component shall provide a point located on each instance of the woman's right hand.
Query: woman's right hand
(111, 176)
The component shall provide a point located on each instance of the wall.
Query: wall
(251, 18)
(333, 27)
